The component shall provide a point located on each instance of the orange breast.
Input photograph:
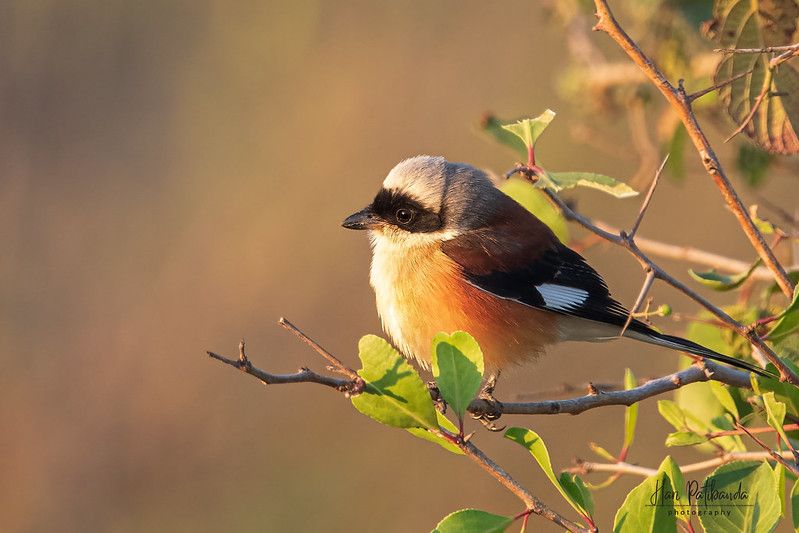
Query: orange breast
(421, 292)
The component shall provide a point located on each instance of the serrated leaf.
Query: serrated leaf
(789, 319)
(756, 24)
(648, 507)
(530, 129)
(473, 521)
(758, 512)
(535, 445)
(535, 201)
(394, 394)
(431, 436)
(568, 180)
(672, 413)
(458, 369)
(631, 412)
(684, 438)
(723, 282)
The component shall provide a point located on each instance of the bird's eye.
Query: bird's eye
(404, 215)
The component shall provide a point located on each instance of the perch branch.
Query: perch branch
(681, 103)
(700, 371)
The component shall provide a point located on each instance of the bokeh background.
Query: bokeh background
(172, 178)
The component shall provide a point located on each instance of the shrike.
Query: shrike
(453, 252)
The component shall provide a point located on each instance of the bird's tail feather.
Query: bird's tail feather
(678, 343)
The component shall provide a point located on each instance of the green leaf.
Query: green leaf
(795, 506)
(631, 413)
(535, 445)
(752, 504)
(649, 507)
(473, 521)
(753, 163)
(755, 24)
(492, 126)
(431, 436)
(784, 392)
(722, 394)
(536, 202)
(684, 438)
(764, 226)
(681, 502)
(779, 476)
(568, 180)
(673, 414)
(457, 368)
(394, 394)
(789, 321)
(775, 414)
(530, 129)
(577, 491)
(723, 282)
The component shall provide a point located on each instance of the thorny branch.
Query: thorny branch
(681, 103)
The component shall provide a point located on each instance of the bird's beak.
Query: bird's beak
(363, 219)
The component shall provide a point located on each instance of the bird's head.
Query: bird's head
(427, 199)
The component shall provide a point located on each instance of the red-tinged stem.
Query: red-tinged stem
(531, 156)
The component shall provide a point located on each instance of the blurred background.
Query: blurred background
(172, 178)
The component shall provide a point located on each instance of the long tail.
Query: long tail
(651, 336)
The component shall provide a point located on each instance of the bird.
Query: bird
(452, 252)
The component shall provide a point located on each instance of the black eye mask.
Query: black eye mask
(388, 203)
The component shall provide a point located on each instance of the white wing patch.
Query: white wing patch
(560, 297)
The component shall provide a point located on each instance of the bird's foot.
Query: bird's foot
(438, 400)
(494, 411)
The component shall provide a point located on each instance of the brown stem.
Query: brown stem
(681, 103)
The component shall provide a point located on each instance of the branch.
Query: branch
(691, 254)
(765, 50)
(303, 375)
(681, 103)
(700, 371)
(587, 467)
(355, 385)
(532, 503)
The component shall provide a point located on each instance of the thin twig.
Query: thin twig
(303, 375)
(587, 467)
(680, 102)
(777, 457)
(769, 429)
(337, 365)
(532, 503)
(648, 198)
(719, 85)
(648, 281)
(765, 50)
(691, 254)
